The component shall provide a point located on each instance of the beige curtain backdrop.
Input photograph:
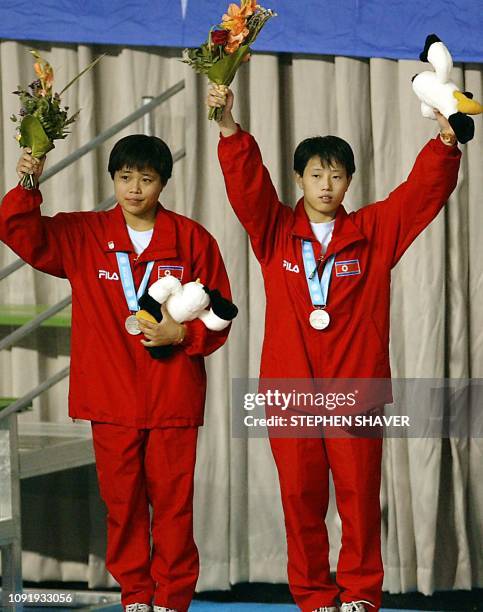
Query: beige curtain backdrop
(432, 493)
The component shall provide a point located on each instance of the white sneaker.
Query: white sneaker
(161, 609)
(136, 607)
(355, 606)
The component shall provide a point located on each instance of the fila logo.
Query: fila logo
(108, 275)
(290, 267)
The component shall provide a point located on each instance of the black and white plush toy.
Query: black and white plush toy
(184, 303)
(437, 91)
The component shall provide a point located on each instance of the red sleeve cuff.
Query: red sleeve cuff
(234, 136)
(439, 147)
(195, 337)
(30, 198)
(200, 341)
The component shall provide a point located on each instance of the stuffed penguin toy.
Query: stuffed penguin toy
(185, 303)
(436, 90)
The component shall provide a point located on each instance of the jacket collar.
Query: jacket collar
(163, 242)
(345, 230)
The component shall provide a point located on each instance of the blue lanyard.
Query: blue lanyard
(127, 281)
(319, 289)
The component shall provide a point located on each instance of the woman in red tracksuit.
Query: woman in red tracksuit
(145, 412)
(349, 338)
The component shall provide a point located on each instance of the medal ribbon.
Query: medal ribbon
(127, 281)
(319, 289)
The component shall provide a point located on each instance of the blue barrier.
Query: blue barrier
(358, 28)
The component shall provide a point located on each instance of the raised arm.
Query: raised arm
(248, 184)
(403, 215)
(43, 242)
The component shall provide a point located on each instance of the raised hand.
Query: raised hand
(30, 165)
(220, 96)
(447, 133)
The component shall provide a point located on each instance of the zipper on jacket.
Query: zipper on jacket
(320, 261)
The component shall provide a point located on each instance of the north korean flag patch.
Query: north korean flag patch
(347, 268)
(176, 271)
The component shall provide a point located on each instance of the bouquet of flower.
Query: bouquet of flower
(42, 119)
(228, 45)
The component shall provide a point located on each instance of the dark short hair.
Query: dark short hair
(329, 149)
(139, 152)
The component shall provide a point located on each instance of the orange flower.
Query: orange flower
(45, 73)
(235, 20)
(248, 7)
(234, 42)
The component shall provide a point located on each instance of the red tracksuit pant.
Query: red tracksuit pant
(303, 467)
(138, 468)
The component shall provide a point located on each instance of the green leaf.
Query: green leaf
(91, 65)
(223, 72)
(33, 135)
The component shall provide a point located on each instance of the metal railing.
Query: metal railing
(24, 402)
(34, 324)
(26, 329)
(112, 131)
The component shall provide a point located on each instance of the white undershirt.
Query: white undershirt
(140, 240)
(323, 232)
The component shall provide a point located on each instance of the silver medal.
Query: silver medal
(132, 326)
(319, 318)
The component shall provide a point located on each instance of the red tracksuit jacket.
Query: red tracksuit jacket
(356, 343)
(113, 379)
